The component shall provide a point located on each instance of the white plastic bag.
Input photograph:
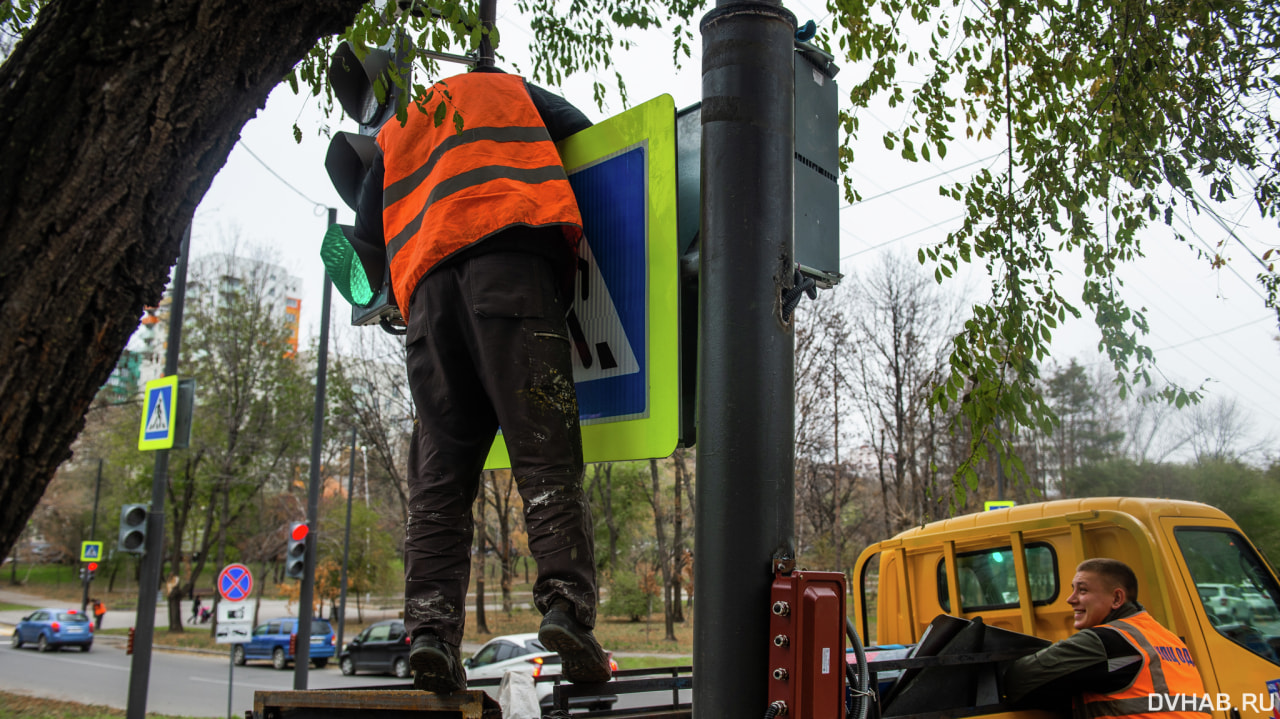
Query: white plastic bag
(517, 697)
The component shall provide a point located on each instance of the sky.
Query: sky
(1207, 326)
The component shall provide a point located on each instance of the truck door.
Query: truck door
(1235, 599)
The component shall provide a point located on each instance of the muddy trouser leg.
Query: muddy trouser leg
(527, 371)
(454, 428)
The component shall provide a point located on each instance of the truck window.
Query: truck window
(1239, 594)
(988, 580)
(871, 597)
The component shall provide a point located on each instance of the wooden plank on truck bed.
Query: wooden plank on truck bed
(377, 703)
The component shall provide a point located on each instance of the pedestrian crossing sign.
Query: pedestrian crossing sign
(158, 423)
(90, 551)
(624, 322)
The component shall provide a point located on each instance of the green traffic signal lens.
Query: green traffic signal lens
(344, 267)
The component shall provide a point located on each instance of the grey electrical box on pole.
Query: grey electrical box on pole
(817, 166)
(816, 169)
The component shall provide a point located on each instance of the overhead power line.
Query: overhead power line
(254, 155)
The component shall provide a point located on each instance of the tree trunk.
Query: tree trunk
(482, 541)
(116, 117)
(677, 546)
(664, 557)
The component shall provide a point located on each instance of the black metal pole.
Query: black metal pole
(149, 583)
(93, 533)
(346, 544)
(488, 13)
(746, 369)
(302, 657)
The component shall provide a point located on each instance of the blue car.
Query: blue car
(51, 629)
(274, 641)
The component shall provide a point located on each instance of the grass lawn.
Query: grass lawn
(17, 705)
(5, 607)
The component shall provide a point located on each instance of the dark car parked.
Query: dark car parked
(381, 647)
(51, 629)
(273, 641)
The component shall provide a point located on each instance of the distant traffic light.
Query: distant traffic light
(295, 556)
(369, 90)
(133, 529)
(128, 649)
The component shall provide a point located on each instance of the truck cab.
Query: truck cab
(1013, 567)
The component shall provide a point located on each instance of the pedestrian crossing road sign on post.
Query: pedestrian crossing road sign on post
(90, 551)
(624, 323)
(166, 414)
(157, 414)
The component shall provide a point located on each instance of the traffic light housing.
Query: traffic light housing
(295, 555)
(369, 90)
(133, 529)
(128, 649)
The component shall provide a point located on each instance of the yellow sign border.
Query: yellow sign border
(84, 551)
(655, 435)
(154, 387)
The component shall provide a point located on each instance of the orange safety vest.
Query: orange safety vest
(1168, 685)
(444, 190)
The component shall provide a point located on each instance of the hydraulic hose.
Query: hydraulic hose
(861, 688)
(774, 710)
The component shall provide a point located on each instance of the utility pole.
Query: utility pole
(153, 560)
(302, 656)
(746, 371)
(346, 541)
(93, 533)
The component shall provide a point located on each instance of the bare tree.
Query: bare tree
(503, 497)
(679, 553)
(371, 390)
(1218, 430)
(902, 327)
(601, 486)
(824, 485)
(664, 558)
(482, 540)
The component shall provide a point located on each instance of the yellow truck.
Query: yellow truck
(1198, 575)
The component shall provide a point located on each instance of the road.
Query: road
(182, 683)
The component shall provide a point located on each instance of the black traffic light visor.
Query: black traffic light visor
(353, 82)
(348, 161)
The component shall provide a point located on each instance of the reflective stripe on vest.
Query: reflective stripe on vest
(1161, 688)
(444, 190)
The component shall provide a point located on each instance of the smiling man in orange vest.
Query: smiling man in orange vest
(481, 230)
(1122, 662)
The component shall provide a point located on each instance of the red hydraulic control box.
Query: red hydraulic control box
(806, 651)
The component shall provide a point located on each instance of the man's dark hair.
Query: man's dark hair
(1116, 572)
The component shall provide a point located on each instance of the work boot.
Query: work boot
(582, 660)
(436, 666)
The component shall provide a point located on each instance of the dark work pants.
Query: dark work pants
(486, 346)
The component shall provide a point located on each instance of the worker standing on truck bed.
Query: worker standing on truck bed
(481, 230)
(1121, 663)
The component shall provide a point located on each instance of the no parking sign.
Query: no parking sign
(235, 583)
